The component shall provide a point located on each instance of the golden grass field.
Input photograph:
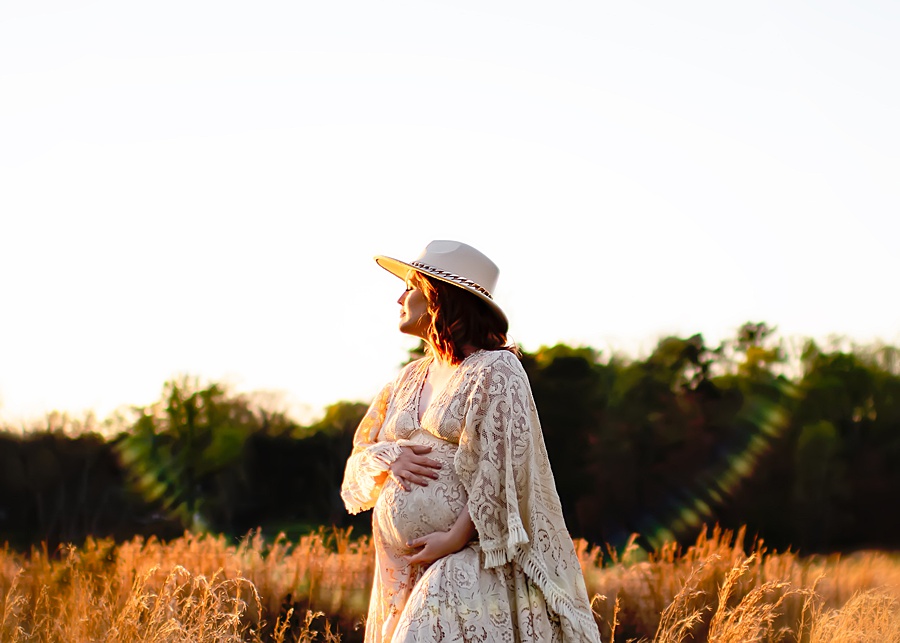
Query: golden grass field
(202, 588)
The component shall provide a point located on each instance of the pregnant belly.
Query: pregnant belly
(399, 515)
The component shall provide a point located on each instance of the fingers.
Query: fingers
(412, 468)
(402, 467)
(417, 455)
(423, 556)
(428, 462)
(423, 471)
(422, 461)
(420, 479)
(419, 559)
(405, 476)
(399, 478)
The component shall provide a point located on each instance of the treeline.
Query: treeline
(201, 458)
(804, 451)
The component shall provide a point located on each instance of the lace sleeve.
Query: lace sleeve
(495, 459)
(369, 460)
(502, 462)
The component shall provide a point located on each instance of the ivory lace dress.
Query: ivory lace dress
(520, 580)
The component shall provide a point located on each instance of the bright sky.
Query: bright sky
(199, 187)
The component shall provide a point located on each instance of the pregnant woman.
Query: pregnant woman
(470, 542)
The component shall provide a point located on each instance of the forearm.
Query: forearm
(463, 530)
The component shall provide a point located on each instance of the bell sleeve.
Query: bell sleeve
(502, 461)
(369, 461)
(494, 459)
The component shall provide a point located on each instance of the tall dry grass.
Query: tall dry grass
(203, 588)
(195, 588)
(719, 590)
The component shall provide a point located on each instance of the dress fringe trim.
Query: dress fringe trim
(517, 536)
(583, 622)
(557, 600)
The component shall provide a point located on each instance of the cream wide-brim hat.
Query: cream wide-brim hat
(455, 263)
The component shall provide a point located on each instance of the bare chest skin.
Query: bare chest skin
(436, 380)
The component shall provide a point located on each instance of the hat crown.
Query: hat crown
(455, 263)
(462, 261)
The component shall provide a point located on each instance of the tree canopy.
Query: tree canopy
(804, 450)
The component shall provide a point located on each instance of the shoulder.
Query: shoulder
(499, 375)
(406, 373)
(499, 361)
(501, 356)
(412, 367)
(409, 372)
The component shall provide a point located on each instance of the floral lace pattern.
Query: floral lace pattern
(521, 581)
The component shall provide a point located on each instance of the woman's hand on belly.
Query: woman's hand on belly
(441, 543)
(413, 466)
(433, 546)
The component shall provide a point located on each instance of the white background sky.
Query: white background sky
(199, 187)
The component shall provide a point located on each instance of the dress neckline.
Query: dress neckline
(420, 385)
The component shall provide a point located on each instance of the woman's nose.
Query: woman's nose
(403, 297)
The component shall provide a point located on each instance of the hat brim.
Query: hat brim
(402, 269)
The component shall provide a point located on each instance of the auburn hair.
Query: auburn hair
(460, 320)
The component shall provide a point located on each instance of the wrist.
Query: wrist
(452, 540)
(461, 533)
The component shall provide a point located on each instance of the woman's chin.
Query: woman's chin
(408, 328)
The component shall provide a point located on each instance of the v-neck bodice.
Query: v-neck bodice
(442, 417)
(438, 396)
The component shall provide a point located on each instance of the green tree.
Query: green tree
(178, 445)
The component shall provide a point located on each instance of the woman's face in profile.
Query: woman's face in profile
(414, 318)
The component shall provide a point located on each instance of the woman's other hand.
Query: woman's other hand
(433, 546)
(413, 466)
(441, 543)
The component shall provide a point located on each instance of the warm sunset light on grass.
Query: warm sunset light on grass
(199, 588)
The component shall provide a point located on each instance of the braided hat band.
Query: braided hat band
(454, 263)
(449, 276)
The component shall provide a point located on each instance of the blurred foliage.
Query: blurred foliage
(804, 449)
